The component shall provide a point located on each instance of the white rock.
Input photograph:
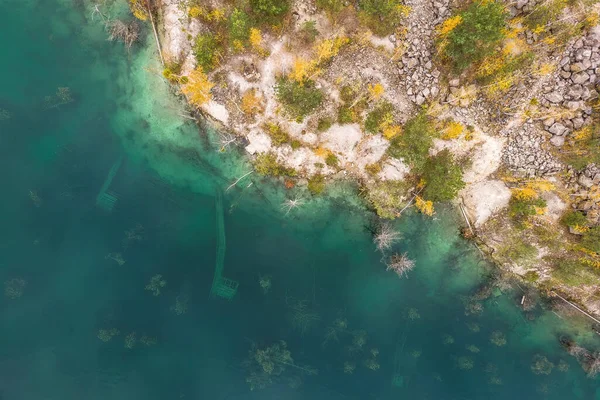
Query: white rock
(483, 199)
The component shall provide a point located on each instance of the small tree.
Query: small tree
(476, 34)
(206, 50)
(443, 177)
(270, 11)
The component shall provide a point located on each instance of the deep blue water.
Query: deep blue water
(58, 248)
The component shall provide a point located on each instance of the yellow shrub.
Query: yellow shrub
(302, 69)
(424, 206)
(251, 102)
(329, 48)
(449, 25)
(540, 185)
(196, 12)
(376, 91)
(255, 38)
(321, 152)
(453, 130)
(138, 9)
(525, 193)
(198, 88)
(391, 131)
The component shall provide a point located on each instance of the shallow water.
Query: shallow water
(320, 258)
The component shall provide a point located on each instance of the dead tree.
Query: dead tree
(385, 237)
(400, 264)
(128, 33)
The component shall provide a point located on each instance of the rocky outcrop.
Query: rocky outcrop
(525, 155)
(585, 189)
(574, 88)
(420, 76)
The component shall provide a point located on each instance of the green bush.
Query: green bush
(296, 144)
(316, 184)
(277, 134)
(381, 16)
(414, 142)
(345, 115)
(519, 209)
(270, 11)
(206, 49)
(239, 26)
(298, 98)
(591, 239)
(266, 164)
(443, 177)
(386, 197)
(324, 124)
(331, 160)
(379, 114)
(531, 276)
(348, 94)
(518, 250)
(544, 13)
(479, 33)
(573, 218)
(309, 32)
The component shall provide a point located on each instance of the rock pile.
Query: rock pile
(416, 67)
(585, 186)
(574, 88)
(525, 155)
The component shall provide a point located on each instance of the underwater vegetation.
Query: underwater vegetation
(13, 288)
(302, 317)
(273, 364)
(156, 284)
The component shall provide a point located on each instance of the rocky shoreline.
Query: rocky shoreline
(514, 143)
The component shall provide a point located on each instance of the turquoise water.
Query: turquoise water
(59, 251)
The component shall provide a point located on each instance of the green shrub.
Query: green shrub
(414, 142)
(206, 49)
(443, 177)
(531, 276)
(573, 218)
(324, 124)
(296, 144)
(520, 208)
(277, 134)
(270, 11)
(348, 94)
(379, 114)
(316, 184)
(298, 98)
(266, 164)
(345, 115)
(308, 32)
(331, 160)
(373, 169)
(386, 197)
(239, 26)
(381, 16)
(591, 239)
(479, 33)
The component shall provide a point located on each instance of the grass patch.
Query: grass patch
(382, 16)
(270, 12)
(386, 197)
(591, 239)
(518, 251)
(573, 272)
(377, 118)
(573, 218)
(206, 50)
(266, 164)
(519, 208)
(324, 124)
(277, 134)
(332, 160)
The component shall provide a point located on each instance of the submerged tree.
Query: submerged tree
(400, 264)
(13, 288)
(128, 33)
(302, 317)
(268, 365)
(265, 283)
(386, 236)
(156, 284)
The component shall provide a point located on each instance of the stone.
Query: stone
(577, 122)
(548, 122)
(557, 129)
(575, 92)
(412, 62)
(585, 181)
(554, 97)
(420, 99)
(454, 82)
(557, 141)
(580, 77)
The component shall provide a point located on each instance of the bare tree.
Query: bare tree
(400, 264)
(385, 237)
(226, 139)
(128, 33)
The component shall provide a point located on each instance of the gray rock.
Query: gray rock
(577, 122)
(585, 181)
(420, 99)
(454, 82)
(557, 129)
(575, 92)
(580, 77)
(557, 141)
(412, 62)
(554, 97)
